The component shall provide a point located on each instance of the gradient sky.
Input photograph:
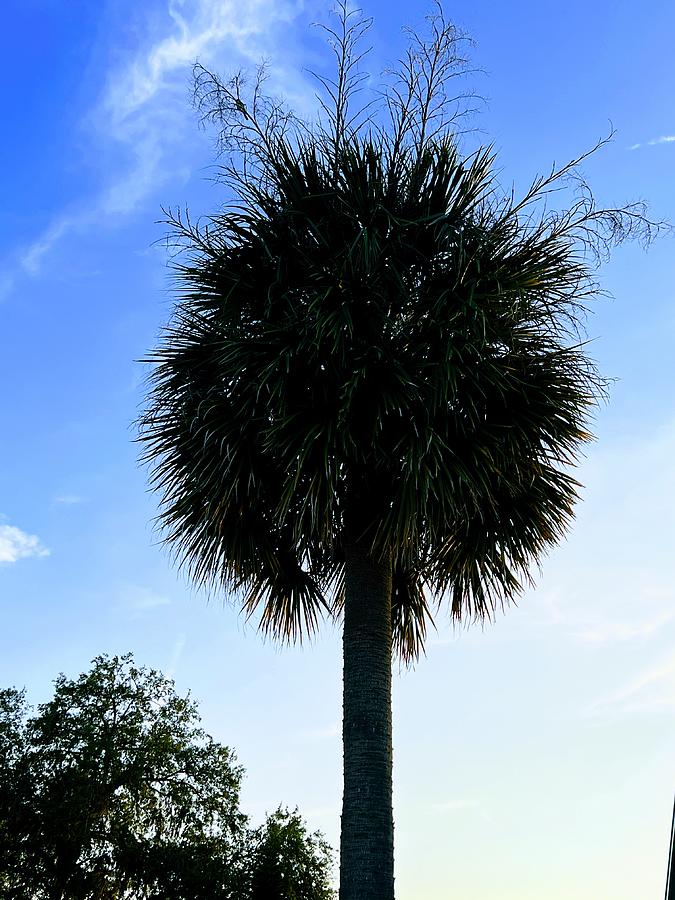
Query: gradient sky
(534, 757)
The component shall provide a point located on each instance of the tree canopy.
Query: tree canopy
(113, 790)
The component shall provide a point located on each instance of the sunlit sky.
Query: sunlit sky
(534, 757)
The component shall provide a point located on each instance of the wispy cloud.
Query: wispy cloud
(614, 581)
(69, 499)
(664, 139)
(598, 626)
(138, 599)
(31, 259)
(16, 544)
(176, 654)
(606, 631)
(652, 690)
(142, 123)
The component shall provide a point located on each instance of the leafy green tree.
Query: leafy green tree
(113, 790)
(14, 789)
(373, 386)
(287, 863)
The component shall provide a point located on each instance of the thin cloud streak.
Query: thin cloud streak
(560, 611)
(176, 654)
(69, 499)
(144, 117)
(139, 600)
(31, 260)
(653, 690)
(145, 108)
(607, 632)
(664, 139)
(613, 595)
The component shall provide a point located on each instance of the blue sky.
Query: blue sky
(533, 757)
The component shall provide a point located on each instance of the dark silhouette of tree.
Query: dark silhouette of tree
(113, 790)
(374, 385)
(287, 862)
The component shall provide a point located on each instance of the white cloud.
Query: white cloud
(16, 544)
(664, 139)
(143, 126)
(145, 107)
(198, 29)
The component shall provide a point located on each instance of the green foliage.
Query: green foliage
(287, 863)
(374, 342)
(113, 790)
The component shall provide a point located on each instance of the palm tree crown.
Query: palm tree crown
(380, 343)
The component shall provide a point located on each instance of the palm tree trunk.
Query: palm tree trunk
(367, 838)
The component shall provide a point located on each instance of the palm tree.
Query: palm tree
(372, 388)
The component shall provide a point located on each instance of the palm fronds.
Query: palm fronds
(374, 326)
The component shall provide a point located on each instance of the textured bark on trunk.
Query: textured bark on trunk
(367, 836)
